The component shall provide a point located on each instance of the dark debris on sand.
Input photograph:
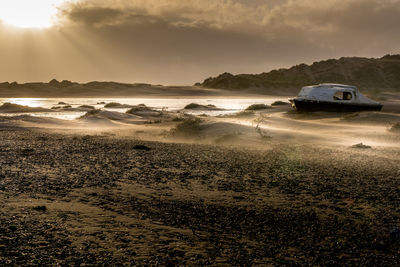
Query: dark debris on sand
(182, 204)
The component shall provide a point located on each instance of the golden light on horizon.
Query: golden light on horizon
(29, 13)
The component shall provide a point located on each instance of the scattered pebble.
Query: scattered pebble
(141, 147)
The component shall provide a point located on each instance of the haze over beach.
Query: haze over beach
(177, 132)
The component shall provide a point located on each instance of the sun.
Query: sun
(29, 13)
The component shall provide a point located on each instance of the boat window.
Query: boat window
(342, 96)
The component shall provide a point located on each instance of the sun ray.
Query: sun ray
(29, 13)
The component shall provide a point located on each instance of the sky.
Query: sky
(180, 42)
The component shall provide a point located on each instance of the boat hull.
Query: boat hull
(314, 105)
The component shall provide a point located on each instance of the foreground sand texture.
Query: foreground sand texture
(112, 198)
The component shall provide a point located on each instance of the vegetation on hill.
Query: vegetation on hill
(366, 73)
(66, 88)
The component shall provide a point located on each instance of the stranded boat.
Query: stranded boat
(333, 97)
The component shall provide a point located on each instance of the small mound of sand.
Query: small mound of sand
(187, 128)
(86, 107)
(144, 111)
(117, 105)
(15, 108)
(36, 121)
(227, 138)
(107, 115)
(226, 128)
(63, 107)
(195, 106)
(257, 107)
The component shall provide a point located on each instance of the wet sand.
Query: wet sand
(265, 188)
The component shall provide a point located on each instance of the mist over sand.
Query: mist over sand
(140, 185)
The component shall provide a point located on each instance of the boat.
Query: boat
(333, 97)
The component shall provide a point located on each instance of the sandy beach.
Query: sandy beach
(199, 133)
(269, 187)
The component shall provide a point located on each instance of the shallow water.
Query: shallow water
(230, 105)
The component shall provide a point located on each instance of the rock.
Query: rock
(141, 147)
(40, 208)
(395, 234)
(361, 146)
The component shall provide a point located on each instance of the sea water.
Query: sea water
(228, 105)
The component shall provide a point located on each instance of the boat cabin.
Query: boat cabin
(333, 97)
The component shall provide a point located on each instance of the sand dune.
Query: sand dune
(279, 124)
(15, 108)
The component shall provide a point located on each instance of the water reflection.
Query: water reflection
(30, 102)
(229, 105)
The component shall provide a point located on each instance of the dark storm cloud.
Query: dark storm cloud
(94, 15)
(335, 26)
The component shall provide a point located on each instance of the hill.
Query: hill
(366, 73)
(65, 88)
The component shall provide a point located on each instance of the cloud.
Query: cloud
(94, 15)
(205, 13)
(310, 20)
(184, 41)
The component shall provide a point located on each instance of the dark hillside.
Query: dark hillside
(366, 73)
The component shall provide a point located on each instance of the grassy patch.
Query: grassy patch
(91, 113)
(245, 113)
(192, 106)
(87, 106)
(280, 103)
(257, 107)
(138, 108)
(188, 127)
(198, 106)
(112, 105)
